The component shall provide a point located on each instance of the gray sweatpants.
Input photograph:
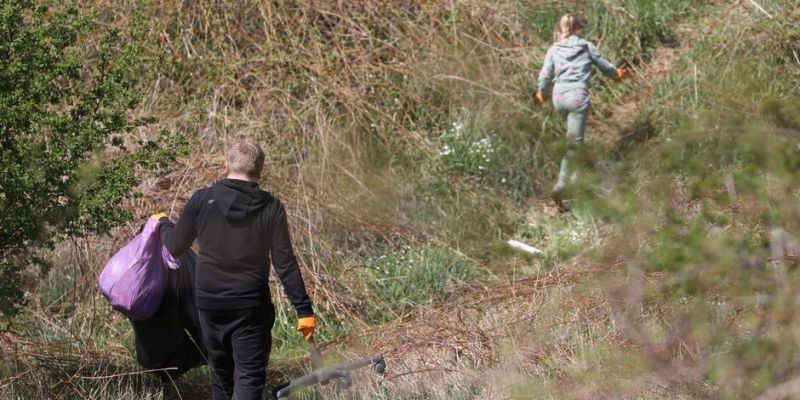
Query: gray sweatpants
(574, 105)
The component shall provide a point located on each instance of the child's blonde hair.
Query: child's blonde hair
(568, 26)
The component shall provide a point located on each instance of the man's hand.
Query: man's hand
(158, 216)
(540, 97)
(621, 72)
(306, 325)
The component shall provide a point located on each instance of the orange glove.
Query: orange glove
(540, 97)
(621, 72)
(158, 216)
(307, 325)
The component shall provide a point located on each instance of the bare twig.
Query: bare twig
(759, 8)
(125, 374)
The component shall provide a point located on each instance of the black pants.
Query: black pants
(238, 344)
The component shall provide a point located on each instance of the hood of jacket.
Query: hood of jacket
(571, 49)
(237, 199)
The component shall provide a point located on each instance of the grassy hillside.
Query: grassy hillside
(404, 140)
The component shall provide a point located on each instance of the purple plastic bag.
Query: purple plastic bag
(134, 279)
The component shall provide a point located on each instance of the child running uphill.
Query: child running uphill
(569, 64)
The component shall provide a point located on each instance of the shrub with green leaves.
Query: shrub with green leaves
(62, 106)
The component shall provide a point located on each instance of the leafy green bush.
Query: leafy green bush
(62, 107)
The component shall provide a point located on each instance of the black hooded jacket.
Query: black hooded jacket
(238, 227)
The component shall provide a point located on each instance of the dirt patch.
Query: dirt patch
(606, 129)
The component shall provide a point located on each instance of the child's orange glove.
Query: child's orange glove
(307, 325)
(540, 97)
(621, 72)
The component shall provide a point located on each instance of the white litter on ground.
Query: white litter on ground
(524, 247)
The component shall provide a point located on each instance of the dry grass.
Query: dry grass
(321, 85)
(350, 100)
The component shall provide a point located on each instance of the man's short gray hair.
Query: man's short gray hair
(245, 157)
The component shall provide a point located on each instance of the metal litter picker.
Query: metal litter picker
(339, 373)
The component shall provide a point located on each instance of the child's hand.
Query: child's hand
(540, 97)
(621, 72)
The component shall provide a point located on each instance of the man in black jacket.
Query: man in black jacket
(239, 227)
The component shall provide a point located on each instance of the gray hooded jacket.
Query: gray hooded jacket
(570, 63)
